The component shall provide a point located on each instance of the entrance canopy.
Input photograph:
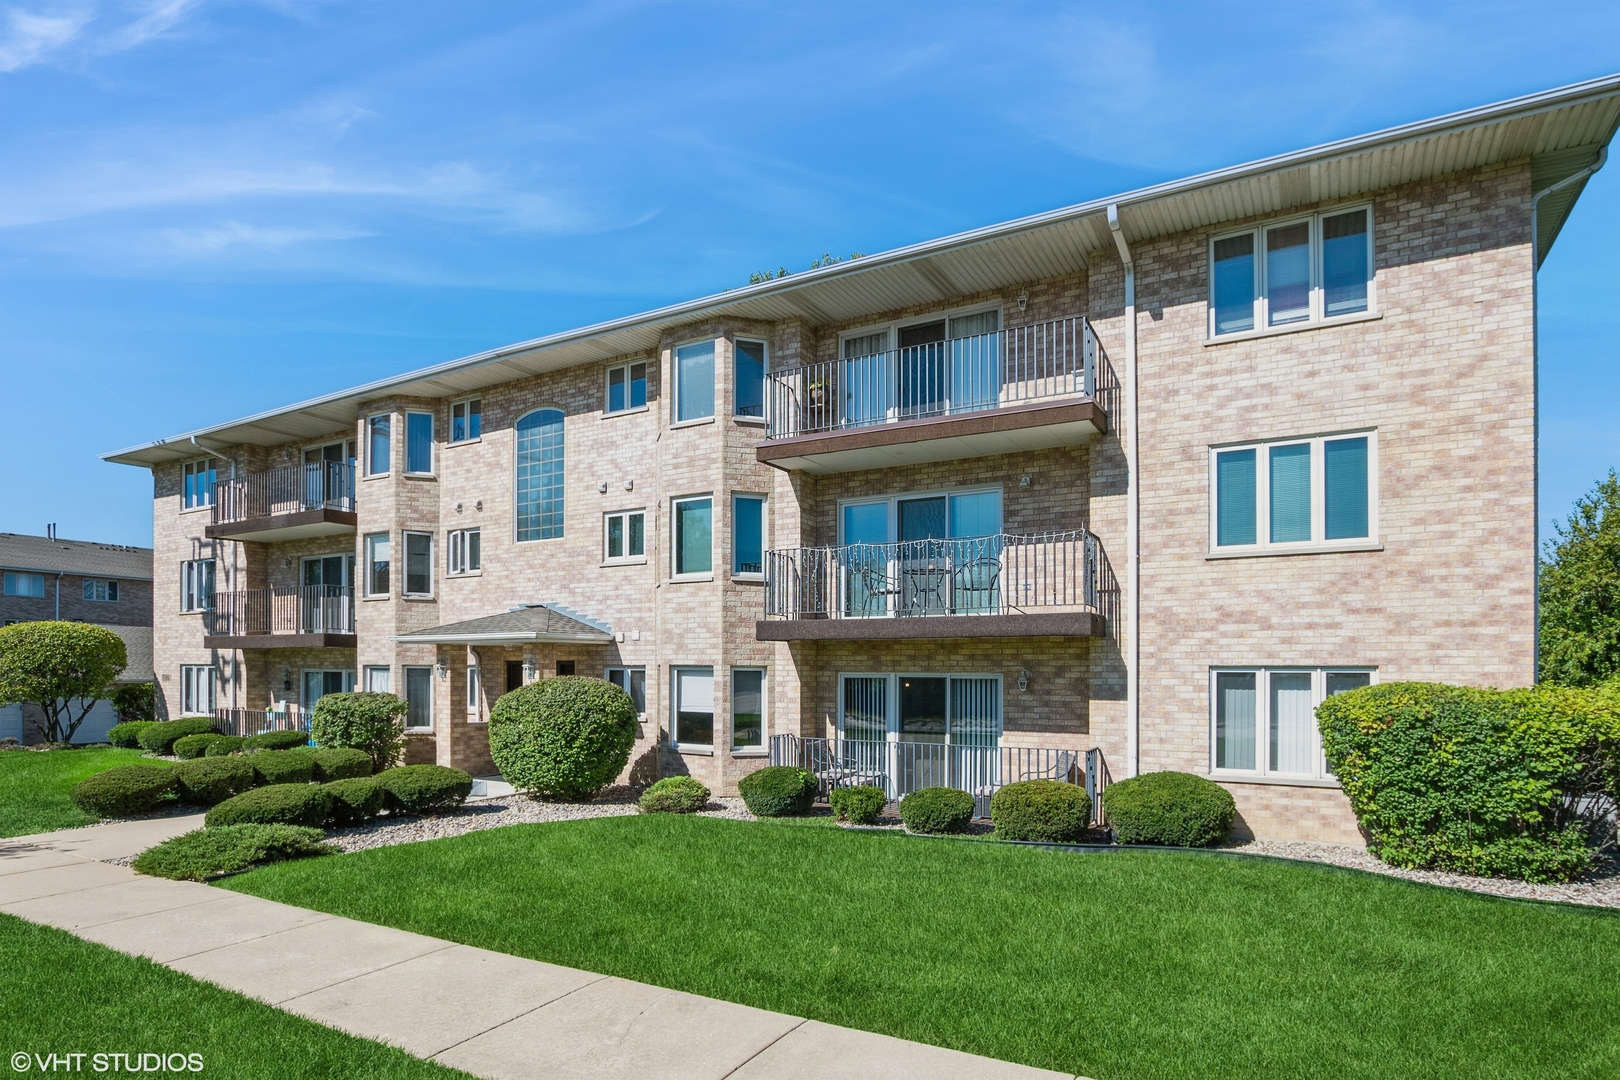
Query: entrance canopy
(521, 625)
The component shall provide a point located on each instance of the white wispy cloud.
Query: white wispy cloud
(30, 37)
(231, 236)
(158, 19)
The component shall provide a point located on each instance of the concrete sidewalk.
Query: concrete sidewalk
(487, 1013)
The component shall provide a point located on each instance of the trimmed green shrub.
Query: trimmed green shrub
(1045, 810)
(365, 721)
(340, 763)
(859, 805)
(276, 740)
(187, 747)
(210, 853)
(206, 781)
(124, 791)
(356, 800)
(61, 667)
(160, 737)
(1174, 808)
(281, 766)
(423, 789)
(1501, 783)
(778, 791)
(225, 744)
(937, 810)
(128, 734)
(136, 702)
(279, 804)
(562, 738)
(674, 795)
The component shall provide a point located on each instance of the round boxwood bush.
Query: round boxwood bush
(355, 800)
(937, 810)
(674, 795)
(187, 747)
(279, 804)
(858, 805)
(562, 738)
(368, 721)
(423, 789)
(210, 853)
(128, 734)
(160, 737)
(340, 763)
(126, 790)
(1045, 810)
(207, 781)
(778, 791)
(1174, 808)
(225, 744)
(281, 766)
(276, 740)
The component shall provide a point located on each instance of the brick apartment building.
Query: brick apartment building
(1148, 476)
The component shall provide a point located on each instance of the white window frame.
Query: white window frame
(404, 563)
(404, 679)
(764, 535)
(627, 367)
(623, 678)
(675, 380)
(192, 578)
(14, 583)
(1262, 307)
(468, 412)
(195, 680)
(433, 454)
(371, 676)
(459, 558)
(675, 706)
(1262, 719)
(367, 543)
(894, 502)
(1262, 498)
(764, 369)
(891, 700)
(764, 711)
(891, 330)
(101, 590)
(475, 693)
(675, 538)
(627, 559)
(371, 459)
(205, 466)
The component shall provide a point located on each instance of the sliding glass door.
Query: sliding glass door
(922, 730)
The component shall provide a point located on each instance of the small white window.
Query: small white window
(197, 585)
(633, 681)
(693, 536)
(418, 564)
(466, 551)
(626, 387)
(624, 536)
(101, 590)
(1263, 720)
(1307, 270)
(694, 707)
(467, 420)
(747, 709)
(377, 564)
(196, 690)
(379, 680)
(1293, 495)
(378, 444)
(475, 698)
(197, 483)
(418, 698)
(32, 585)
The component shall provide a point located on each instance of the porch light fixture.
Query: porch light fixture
(528, 671)
(286, 679)
(1023, 678)
(1025, 480)
(441, 670)
(1023, 300)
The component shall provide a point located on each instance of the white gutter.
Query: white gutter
(502, 638)
(1535, 363)
(1133, 510)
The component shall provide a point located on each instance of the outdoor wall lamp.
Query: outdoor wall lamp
(1023, 678)
(1023, 300)
(286, 679)
(441, 670)
(528, 671)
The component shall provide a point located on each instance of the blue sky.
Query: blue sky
(209, 209)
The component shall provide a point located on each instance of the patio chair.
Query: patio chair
(876, 588)
(977, 584)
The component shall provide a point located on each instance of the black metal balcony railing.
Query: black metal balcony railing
(1015, 366)
(983, 575)
(291, 489)
(282, 609)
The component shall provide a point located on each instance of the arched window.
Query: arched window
(540, 475)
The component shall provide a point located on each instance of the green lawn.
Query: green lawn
(1113, 966)
(34, 786)
(61, 995)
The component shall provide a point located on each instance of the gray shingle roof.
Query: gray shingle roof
(41, 554)
(137, 653)
(528, 622)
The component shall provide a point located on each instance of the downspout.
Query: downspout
(235, 552)
(1535, 363)
(1133, 511)
(59, 596)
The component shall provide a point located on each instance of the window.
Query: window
(196, 690)
(474, 690)
(317, 684)
(197, 585)
(25, 585)
(694, 381)
(694, 543)
(103, 591)
(419, 443)
(747, 536)
(1292, 495)
(747, 709)
(1264, 720)
(466, 554)
(565, 667)
(379, 680)
(467, 420)
(625, 537)
(540, 475)
(960, 710)
(377, 445)
(418, 697)
(377, 559)
(694, 707)
(418, 564)
(633, 681)
(626, 387)
(748, 369)
(1292, 272)
(970, 520)
(197, 483)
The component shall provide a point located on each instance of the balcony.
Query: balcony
(1053, 584)
(1026, 388)
(282, 617)
(293, 502)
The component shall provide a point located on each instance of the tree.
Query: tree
(59, 666)
(1580, 592)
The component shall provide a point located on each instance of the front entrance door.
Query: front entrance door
(514, 675)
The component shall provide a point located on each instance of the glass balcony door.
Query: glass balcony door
(324, 598)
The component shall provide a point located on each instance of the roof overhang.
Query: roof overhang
(431, 637)
(521, 625)
(1560, 131)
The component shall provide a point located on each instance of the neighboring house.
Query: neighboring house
(42, 577)
(1151, 475)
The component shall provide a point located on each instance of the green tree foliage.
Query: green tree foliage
(135, 702)
(366, 721)
(1580, 592)
(62, 667)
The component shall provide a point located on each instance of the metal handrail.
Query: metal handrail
(290, 489)
(282, 609)
(1019, 364)
(246, 722)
